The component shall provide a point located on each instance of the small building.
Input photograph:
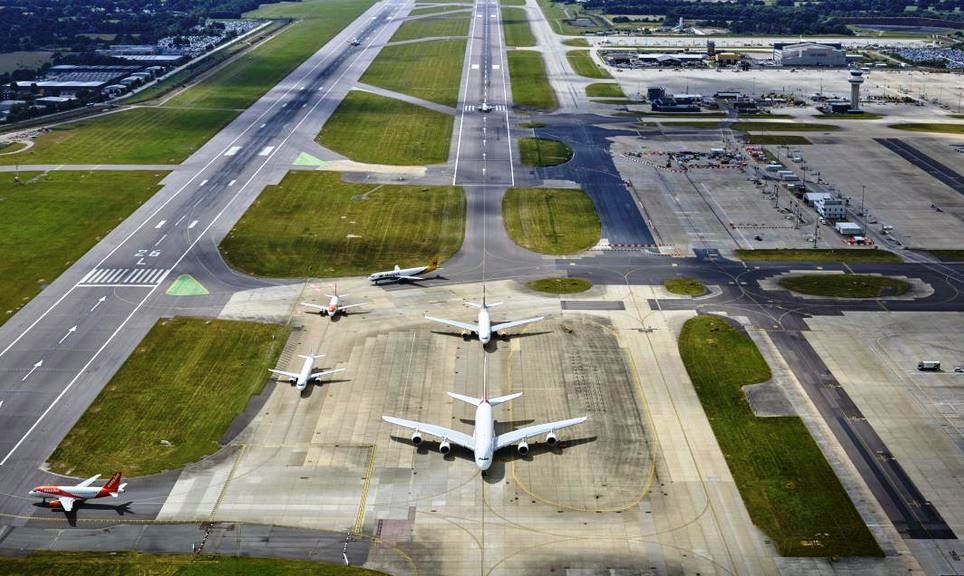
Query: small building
(832, 209)
(728, 95)
(848, 229)
(811, 198)
(809, 54)
(726, 58)
(114, 90)
(688, 99)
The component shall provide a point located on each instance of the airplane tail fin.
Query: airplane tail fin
(503, 399)
(114, 486)
(433, 266)
(466, 399)
(397, 268)
(314, 357)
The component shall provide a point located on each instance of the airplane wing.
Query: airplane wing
(283, 373)
(529, 431)
(317, 375)
(349, 306)
(461, 325)
(315, 306)
(88, 481)
(460, 438)
(514, 323)
(67, 503)
(410, 277)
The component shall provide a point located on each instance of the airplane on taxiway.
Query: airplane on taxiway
(484, 329)
(400, 274)
(484, 442)
(66, 496)
(306, 376)
(334, 306)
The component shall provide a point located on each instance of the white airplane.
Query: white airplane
(334, 306)
(485, 107)
(65, 496)
(484, 329)
(399, 274)
(483, 442)
(306, 376)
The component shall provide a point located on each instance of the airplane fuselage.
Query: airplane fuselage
(333, 306)
(304, 376)
(485, 326)
(77, 493)
(484, 436)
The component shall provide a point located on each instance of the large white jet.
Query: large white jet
(65, 496)
(399, 274)
(334, 306)
(484, 329)
(306, 376)
(483, 442)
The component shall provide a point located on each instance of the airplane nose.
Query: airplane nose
(483, 464)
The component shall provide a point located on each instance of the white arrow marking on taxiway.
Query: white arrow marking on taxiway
(67, 335)
(100, 301)
(35, 366)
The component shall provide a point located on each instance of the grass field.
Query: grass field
(372, 128)
(10, 61)
(51, 220)
(931, 127)
(560, 285)
(518, 34)
(556, 13)
(840, 256)
(173, 399)
(604, 90)
(428, 70)
(62, 563)
(576, 42)
(543, 152)
(777, 139)
(790, 491)
(313, 224)
(843, 116)
(452, 25)
(684, 286)
(532, 124)
(420, 10)
(845, 285)
(549, 220)
(584, 65)
(139, 136)
(513, 2)
(530, 86)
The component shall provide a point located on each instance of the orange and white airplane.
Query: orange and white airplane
(65, 496)
(334, 306)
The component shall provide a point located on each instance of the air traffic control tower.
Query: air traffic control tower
(856, 79)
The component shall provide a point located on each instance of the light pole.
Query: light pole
(863, 188)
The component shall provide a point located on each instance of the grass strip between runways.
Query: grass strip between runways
(543, 152)
(518, 34)
(62, 563)
(314, 224)
(429, 70)
(371, 128)
(550, 220)
(530, 85)
(789, 489)
(173, 399)
(583, 64)
(53, 219)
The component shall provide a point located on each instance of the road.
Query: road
(60, 350)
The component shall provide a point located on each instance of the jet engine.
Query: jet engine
(551, 439)
(416, 438)
(523, 448)
(445, 447)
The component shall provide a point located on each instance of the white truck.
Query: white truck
(929, 366)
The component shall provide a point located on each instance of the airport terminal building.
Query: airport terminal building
(809, 54)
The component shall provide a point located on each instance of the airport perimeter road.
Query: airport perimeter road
(60, 350)
(484, 162)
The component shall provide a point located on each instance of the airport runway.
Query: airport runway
(945, 174)
(59, 351)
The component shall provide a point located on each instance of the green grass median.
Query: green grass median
(789, 489)
(583, 64)
(53, 219)
(604, 90)
(560, 285)
(530, 85)
(777, 139)
(518, 34)
(62, 563)
(543, 152)
(845, 285)
(428, 70)
(550, 220)
(684, 286)
(449, 25)
(173, 399)
(820, 256)
(931, 127)
(314, 224)
(371, 128)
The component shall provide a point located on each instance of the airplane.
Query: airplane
(354, 42)
(485, 107)
(66, 496)
(399, 274)
(483, 442)
(484, 329)
(306, 376)
(334, 306)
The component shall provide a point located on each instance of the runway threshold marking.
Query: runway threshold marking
(266, 150)
(140, 304)
(234, 149)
